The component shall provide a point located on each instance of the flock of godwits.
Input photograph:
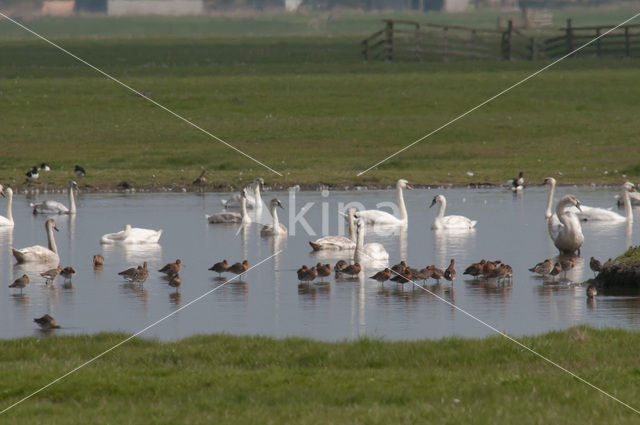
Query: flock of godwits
(563, 226)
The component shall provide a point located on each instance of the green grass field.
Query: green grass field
(238, 380)
(305, 105)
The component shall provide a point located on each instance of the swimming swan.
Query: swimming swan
(231, 216)
(38, 253)
(567, 235)
(274, 229)
(254, 199)
(8, 220)
(371, 252)
(450, 221)
(132, 235)
(338, 242)
(377, 217)
(601, 214)
(55, 207)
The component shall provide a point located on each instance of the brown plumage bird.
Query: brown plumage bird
(129, 273)
(68, 273)
(567, 264)
(141, 274)
(352, 269)
(340, 265)
(47, 322)
(239, 268)
(403, 277)
(595, 266)
(171, 269)
(51, 274)
(20, 282)
(382, 276)
(450, 272)
(591, 291)
(399, 268)
(201, 179)
(220, 267)
(324, 270)
(436, 273)
(308, 275)
(475, 269)
(557, 269)
(543, 268)
(301, 271)
(175, 281)
(98, 261)
(490, 265)
(419, 274)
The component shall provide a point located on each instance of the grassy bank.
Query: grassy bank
(229, 379)
(308, 107)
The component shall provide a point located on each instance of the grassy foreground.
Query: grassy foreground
(227, 379)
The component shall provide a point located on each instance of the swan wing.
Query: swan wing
(236, 201)
(457, 222)
(376, 252)
(598, 214)
(333, 242)
(371, 217)
(50, 207)
(36, 254)
(225, 217)
(4, 222)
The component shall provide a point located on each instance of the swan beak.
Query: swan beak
(56, 228)
(343, 214)
(578, 206)
(432, 203)
(2, 193)
(409, 187)
(280, 205)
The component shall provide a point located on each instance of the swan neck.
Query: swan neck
(627, 205)
(443, 205)
(352, 228)
(360, 240)
(243, 207)
(72, 201)
(552, 190)
(10, 207)
(403, 208)
(276, 222)
(258, 197)
(51, 239)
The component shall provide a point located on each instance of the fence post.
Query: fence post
(388, 37)
(627, 44)
(506, 41)
(570, 40)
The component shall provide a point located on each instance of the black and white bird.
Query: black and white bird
(32, 174)
(80, 172)
(45, 167)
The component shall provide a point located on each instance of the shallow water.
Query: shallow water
(269, 300)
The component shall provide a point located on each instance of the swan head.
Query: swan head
(51, 223)
(259, 182)
(403, 184)
(275, 202)
(127, 227)
(628, 186)
(550, 180)
(437, 199)
(72, 184)
(571, 200)
(8, 192)
(2, 191)
(243, 193)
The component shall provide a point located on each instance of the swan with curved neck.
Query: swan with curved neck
(131, 236)
(8, 220)
(601, 214)
(38, 253)
(370, 252)
(552, 189)
(373, 217)
(567, 236)
(254, 198)
(338, 242)
(276, 228)
(55, 207)
(232, 216)
(442, 222)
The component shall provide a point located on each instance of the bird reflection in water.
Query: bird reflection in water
(21, 300)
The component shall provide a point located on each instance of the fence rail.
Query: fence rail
(412, 40)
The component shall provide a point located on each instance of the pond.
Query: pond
(269, 299)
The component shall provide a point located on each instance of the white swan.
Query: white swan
(338, 242)
(274, 229)
(601, 214)
(231, 216)
(567, 235)
(450, 221)
(553, 223)
(55, 207)
(38, 253)
(254, 199)
(132, 235)
(371, 252)
(8, 220)
(633, 196)
(377, 217)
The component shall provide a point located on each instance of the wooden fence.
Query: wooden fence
(410, 40)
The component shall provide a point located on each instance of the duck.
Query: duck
(32, 174)
(171, 269)
(232, 216)
(79, 171)
(338, 242)
(382, 276)
(442, 222)
(44, 167)
(275, 228)
(370, 252)
(600, 214)
(68, 273)
(8, 220)
(239, 268)
(20, 282)
(220, 267)
(47, 322)
(254, 198)
(567, 234)
(595, 266)
(55, 207)
(515, 184)
(382, 218)
(450, 273)
(51, 274)
(131, 236)
(38, 253)
(202, 179)
(98, 261)
(543, 268)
